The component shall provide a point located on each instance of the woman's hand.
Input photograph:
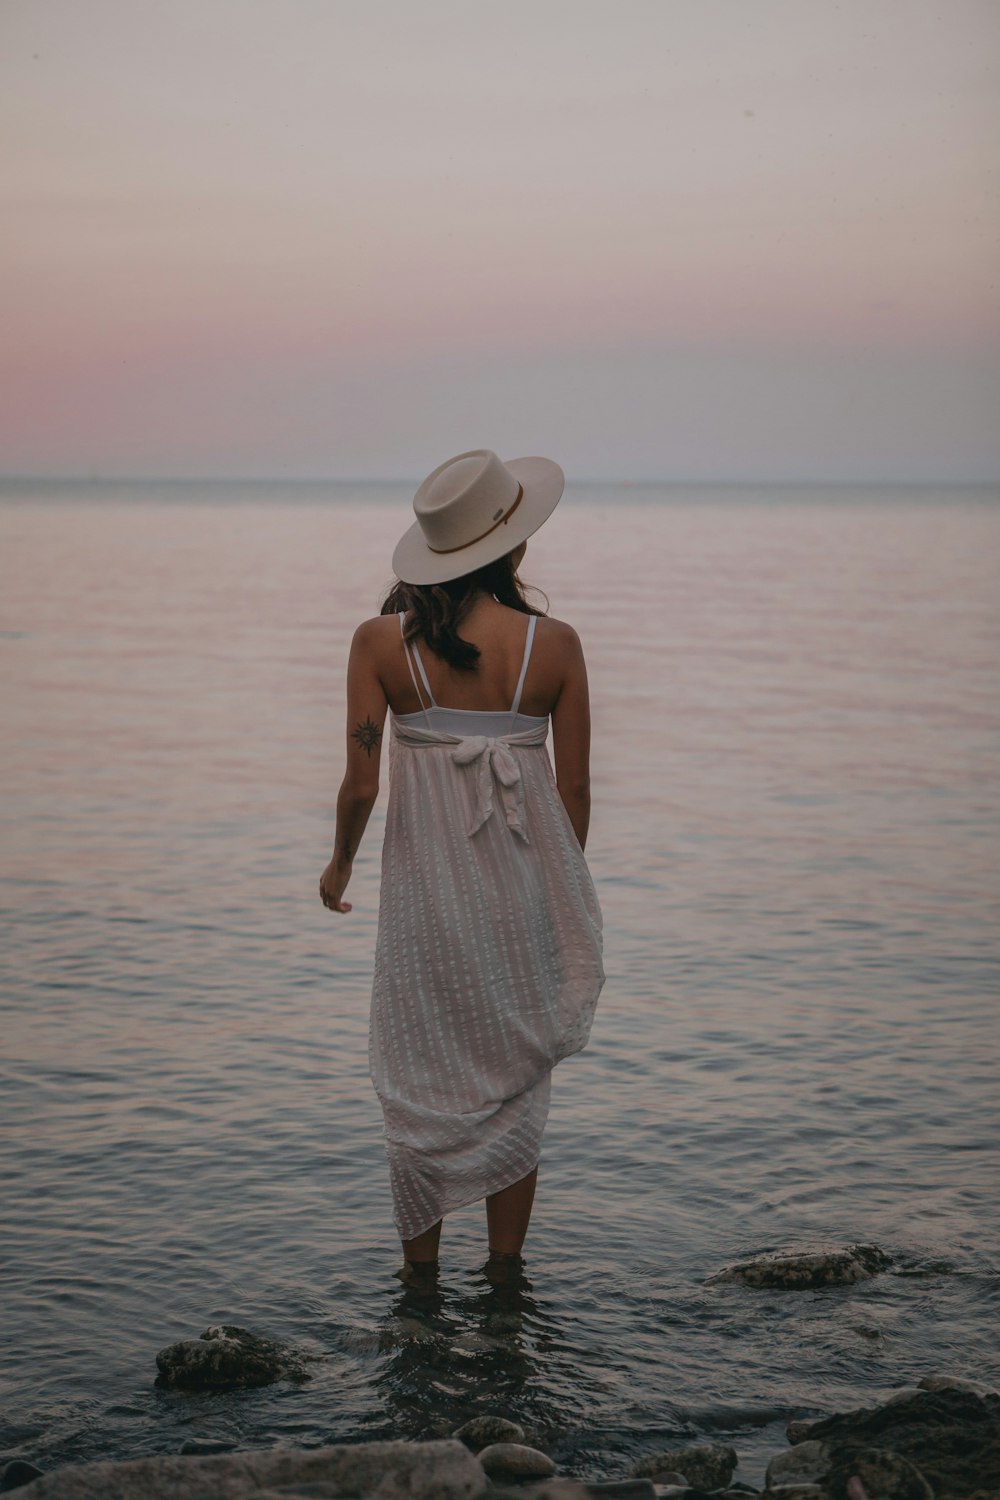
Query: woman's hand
(333, 883)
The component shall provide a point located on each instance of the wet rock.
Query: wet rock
(905, 1393)
(392, 1471)
(796, 1491)
(479, 1431)
(884, 1476)
(955, 1383)
(798, 1429)
(620, 1489)
(207, 1445)
(803, 1269)
(516, 1461)
(706, 1466)
(559, 1488)
(17, 1474)
(227, 1357)
(951, 1437)
(578, 1489)
(807, 1463)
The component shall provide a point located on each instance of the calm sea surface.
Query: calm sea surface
(795, 842)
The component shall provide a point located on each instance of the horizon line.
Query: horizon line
(621, 481)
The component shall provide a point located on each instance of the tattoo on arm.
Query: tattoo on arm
(368, 736)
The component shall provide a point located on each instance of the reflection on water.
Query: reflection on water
(794, 839)
(458, 1352)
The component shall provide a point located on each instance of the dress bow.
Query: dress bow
(494, 761)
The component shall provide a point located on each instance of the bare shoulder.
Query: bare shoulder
(557, 636)
(372, 635)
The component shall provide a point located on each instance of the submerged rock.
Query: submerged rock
(804, 1269)
(488, 1428)
(392, 1471)
(705, 1466)
(227, 1357)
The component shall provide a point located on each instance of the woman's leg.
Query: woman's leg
(424, 1247)
(507, 1215)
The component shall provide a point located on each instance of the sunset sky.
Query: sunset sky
(680, 239)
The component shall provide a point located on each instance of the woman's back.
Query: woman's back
(467, 722)
(501, 635)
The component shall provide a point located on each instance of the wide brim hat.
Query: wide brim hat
(473, 509)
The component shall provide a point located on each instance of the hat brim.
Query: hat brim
(542, 481)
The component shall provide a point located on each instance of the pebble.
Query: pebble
(706, 1466)
(516, 1461)
(478, 1432)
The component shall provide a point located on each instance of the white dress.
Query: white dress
(488, 959)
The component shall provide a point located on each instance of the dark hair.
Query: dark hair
(436, 610)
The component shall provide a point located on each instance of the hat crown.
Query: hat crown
(464, 498)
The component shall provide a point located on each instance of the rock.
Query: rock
(516, 1461)
(708, 1466)
(795, 1491)
(226, 1357)
(955, 1383)
(805, 1464)
(803, 1269)
(578, 1489)
(798, 1429)
(884, 1476)
(559, 1488)
(620, 1489)
(905, 1393)
(952, 1438)
(17, 1474)
(207, 1445)
(479, 1431)
(393, 1471)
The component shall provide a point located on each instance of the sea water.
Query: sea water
(794, 840)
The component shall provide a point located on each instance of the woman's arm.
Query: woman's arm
(366, 711)
(571, 738)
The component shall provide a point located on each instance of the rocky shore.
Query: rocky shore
(938, 1440)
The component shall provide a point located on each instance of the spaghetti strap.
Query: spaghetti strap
(409, 663)
(423, 674)
(532, 621)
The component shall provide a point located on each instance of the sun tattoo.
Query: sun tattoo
(368, 736)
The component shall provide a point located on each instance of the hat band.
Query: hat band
(442, 551)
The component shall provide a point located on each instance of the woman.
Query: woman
(488, 957)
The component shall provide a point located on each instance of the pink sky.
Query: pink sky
(655, 238)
